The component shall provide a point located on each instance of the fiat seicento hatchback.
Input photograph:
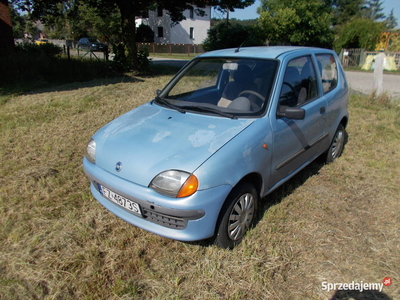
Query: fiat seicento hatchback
(228, 129)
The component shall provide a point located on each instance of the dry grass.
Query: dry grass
(333, 223)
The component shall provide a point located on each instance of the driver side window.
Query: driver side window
(299, 84)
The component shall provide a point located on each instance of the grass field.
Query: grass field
(336, 223)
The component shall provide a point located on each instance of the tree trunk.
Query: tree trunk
(128, 14)
(6, 33)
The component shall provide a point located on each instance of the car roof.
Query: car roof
(271, 52)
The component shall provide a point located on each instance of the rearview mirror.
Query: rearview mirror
(230, 66)
(292, 113)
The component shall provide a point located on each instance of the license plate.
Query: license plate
(120, 200)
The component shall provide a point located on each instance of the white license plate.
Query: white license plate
(120, 200)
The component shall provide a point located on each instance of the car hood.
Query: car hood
(151, 139)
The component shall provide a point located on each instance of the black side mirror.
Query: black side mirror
(292, 113)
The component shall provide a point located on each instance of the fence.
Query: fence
(357, 57)
(170, 49)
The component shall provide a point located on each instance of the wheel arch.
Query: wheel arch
(255, 179)
(344, 121)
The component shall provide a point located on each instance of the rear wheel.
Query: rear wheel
(337, 145)
(237, 216)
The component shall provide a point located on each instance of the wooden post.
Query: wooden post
(170, 49)
(68, 54)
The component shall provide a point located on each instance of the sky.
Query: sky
(251, 11)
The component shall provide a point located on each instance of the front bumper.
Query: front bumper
(186, 219)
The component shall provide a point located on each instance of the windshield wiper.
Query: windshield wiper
(169, 104)
(211, 110)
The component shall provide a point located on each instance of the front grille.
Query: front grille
(164, 220)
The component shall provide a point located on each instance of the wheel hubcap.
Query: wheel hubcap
(337, 144)
(241, 216)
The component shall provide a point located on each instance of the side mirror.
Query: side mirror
(158, 93)
(292, 113)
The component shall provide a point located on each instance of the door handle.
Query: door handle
(322, 110)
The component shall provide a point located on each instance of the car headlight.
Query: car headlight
(175, 183)
(91, 151)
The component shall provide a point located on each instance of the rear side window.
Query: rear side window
(328, 71)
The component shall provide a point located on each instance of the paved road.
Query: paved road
(364, 82)
(359, 81)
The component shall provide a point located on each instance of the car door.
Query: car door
(297, 140)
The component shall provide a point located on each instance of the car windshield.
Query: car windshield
(222, 86)
(93, 40)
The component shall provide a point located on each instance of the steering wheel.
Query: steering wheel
(260, 98)
(296, 94)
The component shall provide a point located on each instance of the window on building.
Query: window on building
(192, 13)
(192, 32)
(160, 31)
(159, 11)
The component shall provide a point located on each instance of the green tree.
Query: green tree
(359, 33)
(391, 20)
(128, 10)
(78, 20)
(296, 22)
(344, 10)
(229, 35)
(373, 10)
(230, 6)
(18, 22)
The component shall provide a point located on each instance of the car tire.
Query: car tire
(336, 147)
(236, 216)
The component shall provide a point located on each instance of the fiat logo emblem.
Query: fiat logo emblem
(118, 166)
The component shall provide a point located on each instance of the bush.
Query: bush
(48, 49)
(25, 69)
(121, 62)
(143, 60)
(144, 34)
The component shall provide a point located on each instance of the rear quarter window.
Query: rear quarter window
(328, 71)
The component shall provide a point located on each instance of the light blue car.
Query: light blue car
(228, 129)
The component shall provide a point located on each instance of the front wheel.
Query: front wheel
(336, 147)
(237, 216)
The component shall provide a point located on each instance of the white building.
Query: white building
(193, 30)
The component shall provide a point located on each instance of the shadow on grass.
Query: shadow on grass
(283, 191)
(276, 196)
(34, 76)
(288, 188)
